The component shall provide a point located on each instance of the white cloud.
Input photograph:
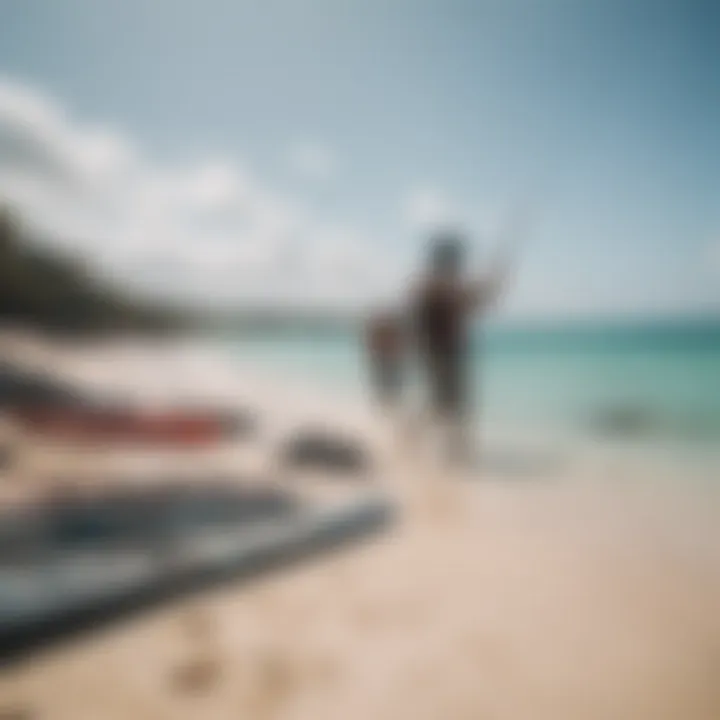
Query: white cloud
(37, 135)
(210, 230)
(218, 184)
(312, 160)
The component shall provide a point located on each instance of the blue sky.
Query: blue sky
(359, 123)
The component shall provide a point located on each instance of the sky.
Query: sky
(302, 151)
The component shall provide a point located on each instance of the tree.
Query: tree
(45, 288)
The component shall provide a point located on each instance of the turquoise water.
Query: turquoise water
(652, 381)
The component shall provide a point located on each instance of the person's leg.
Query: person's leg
(460, 444)
(442, 406)
(378, 381)
(459, 441)
(434, 419)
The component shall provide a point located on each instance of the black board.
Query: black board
(68, 565)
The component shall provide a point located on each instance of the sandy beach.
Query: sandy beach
(586, 592)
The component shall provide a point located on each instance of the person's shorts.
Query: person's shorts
(448, 384)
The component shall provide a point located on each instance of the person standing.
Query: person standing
(386, 350)
(444, 305)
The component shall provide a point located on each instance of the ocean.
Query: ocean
(653, 383)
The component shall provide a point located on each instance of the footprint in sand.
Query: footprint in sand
(274, 680)
(199, 675)
(202, 672)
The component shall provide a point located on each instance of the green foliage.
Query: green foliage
(41, 287)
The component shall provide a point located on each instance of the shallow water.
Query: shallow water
(653, 386)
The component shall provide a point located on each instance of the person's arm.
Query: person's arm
(487, 290)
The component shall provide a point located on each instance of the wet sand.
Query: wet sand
(579, 594)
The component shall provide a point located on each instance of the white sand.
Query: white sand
(566, 597)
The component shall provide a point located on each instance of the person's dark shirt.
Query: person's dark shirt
(442, 315)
